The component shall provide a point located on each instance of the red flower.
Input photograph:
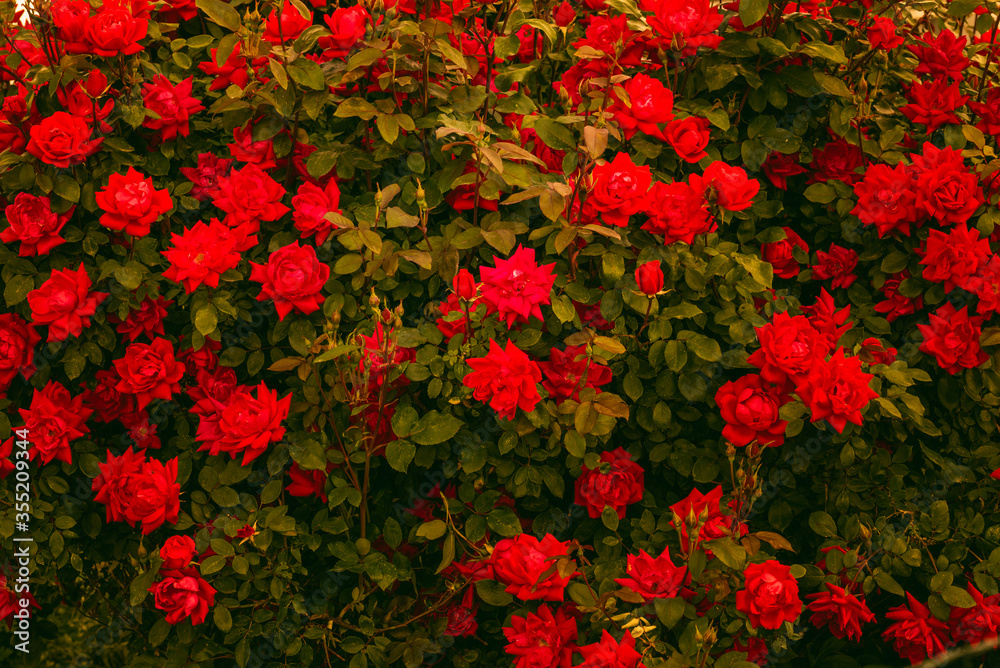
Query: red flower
(780, 256)
(843, 612)
(348, 26)
(183, 594)
(308, 482)
(985, 284)
(952, 337)
(567, 372)
(245, 424)
(177, 552)
(788, 347)
(206, 176)
(12, 603)
(520, 563)
(949, 194)
(310, 206)
(173, 104)
(18, 339)
(517, 287)
(53, 419)
(837, 161)
(933, 103)
(64, 303)
(755, 648)
(619, 189)
(245, 149)
(287, 27)
(828, 321)
(837, 390)
(452, 320)
(771, 595)
(838, 263)
(700, 518)
(988, 112)
(653, 578)
(147, 319)
(114, 31)
(779, 166)
(895, 304)
(62, 140)
(688, 137)
(77, 100)
(979, 623)
(732, 189)
(917, 634)
(151, 495)
(882, 34)
(610, 654)
(954, 257)
(149, 371)
(887, 199)
(650, 104)
(131, 203)
(113, 483)
(649, 278)
(617, 483)
(34, 224)
(678, 212)
(941, 56)
(683, 25)
(205, 252)
(541, 638)
(141, 430)
(293, 277)
(873, 351)
(750, 408)
(250, 195)
(233, 72)
(105, 400)
(506, 378)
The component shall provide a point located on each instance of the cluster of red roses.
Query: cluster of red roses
(182, 592)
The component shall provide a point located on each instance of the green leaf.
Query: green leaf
(705, 348)
(822, 523)
(728, 552)
(221, 13)
(432, 530)
(435, 428)
(554, 135)
(752, 11)
(138, 590)
(356, 106)
(669, 610)
(222, 618)
(17, 289)
(308, 453)
(399, 454)
(886, 582)
(504, 521)
(206, 319)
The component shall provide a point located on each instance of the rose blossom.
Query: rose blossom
(770, 596)
(64, 303)
(506, 378)
(653, 578)
(617, 483)
(34, 224)
(520, 562)
(183, 594)
(293, 278)
(517, 287)
(750, 408)
(149, 371)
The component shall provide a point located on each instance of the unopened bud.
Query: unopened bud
(142, 551)
(386, 315)
(398, 310)
(335, 318)
(373, 301)
(465, 285)
(96, 84)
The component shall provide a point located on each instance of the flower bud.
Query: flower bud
(465, 285)
(649, 277)
(96, 83)
(386, 315)
(373, 301)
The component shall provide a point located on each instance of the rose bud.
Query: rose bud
(649, 277)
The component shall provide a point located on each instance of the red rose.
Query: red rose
(619, 189)
(465, 285)
(683, 25)
(308, 483)
(703, 514)
(233, 72)
(731, 188)
(541, 638)
(516, 288)
(653, 578)
(650, 105)
(788, 346)
(250, 195)
(838, 263)
(688, 137)
(204, 252)
(348, 26)
(678, 212)
(836, 389)
(147, 319)
(882, 34)
(750, 408)
(173, 104)
(293, 278)
(949, 195)
(770, 596)
(649, 278)
(608, 653)
(507, 378)
(755, 648)
(979, 623)
(520, 562)
(916, 634)
(895, 304)
(141, 430)
(779, 166)
(942, 55)
(453, 318)
(988, 112)
(114, 31)
(310, 206)
(952, 258)
(153, 495)
(183, 594)
(113, 483)
(287, 27)
(149, 371)
(985, 284)
(177, 552)
(617, 483)
(828, 321)
(245, 424)
(464, 197)
(206, 176)
(131, 203)
(53, 419)
(64, 303)
(952, 337)
(245, 149)
(842, 612)
(887, 199)
(567, 372)
(933, 103)
(873, 351)
(62, 140)
(779, 254)
(18, 339)
(836, 161)
(105, 400)
(34, 224)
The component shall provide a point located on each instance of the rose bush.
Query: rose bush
(403, 332)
